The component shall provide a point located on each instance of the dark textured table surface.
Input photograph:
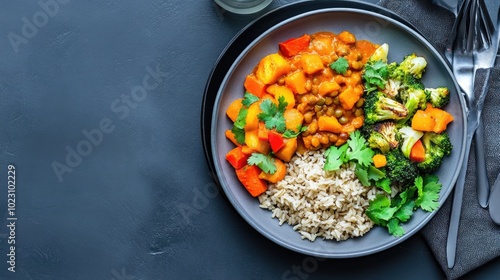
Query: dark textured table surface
(100, 118)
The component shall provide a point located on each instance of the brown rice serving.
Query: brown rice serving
(318, 203)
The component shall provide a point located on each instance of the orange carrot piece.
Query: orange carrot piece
(293, 46)
(326, 123)
(293, 119)
(271, 68)
(311, 63)
(296, 81)
(234, 108)
(379, 160)
(286, 152)
(254, 86)
(262, 132)
(349, 97)
(252, 119)
(442, 119)
(347, 37)
(282, 91)
(249, 177)
(423, 121)
(276, 176)
(246, 150)
(230, 136)
(417, 153)
(253, 142)
(237, 158)
(328, 87)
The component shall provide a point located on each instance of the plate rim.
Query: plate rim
(214, 151)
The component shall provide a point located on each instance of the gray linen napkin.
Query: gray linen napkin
(478, 237)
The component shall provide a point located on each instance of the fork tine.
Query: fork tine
(486, 23)
(464, 40)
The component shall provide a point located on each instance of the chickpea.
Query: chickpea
(357, 65)
(311, 99)
(307, 141)
(328, 101)
(302, 108)
(342, 50)
(314, 89)
(333, 138)
(358, 112)
(360, 103)
(308, 85)
(344, 136)
(336, 100)
(315, 141)
(312, 127)
(343, 120)
(308, 117)
(330, 111)
(324, 140)
(338, 113)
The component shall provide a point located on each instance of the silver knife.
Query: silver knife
(484, 60)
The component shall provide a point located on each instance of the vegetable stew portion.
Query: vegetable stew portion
(306, 96)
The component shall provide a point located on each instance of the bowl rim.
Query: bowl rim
(215, 150)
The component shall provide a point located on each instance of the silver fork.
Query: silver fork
(463, 69)
(485, 53)
(485, 59)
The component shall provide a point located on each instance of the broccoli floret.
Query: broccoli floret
(392, 88)
(378, 141)
(399, 169)
(413, 99)
(413, 64)
(390, 132)
(399, 80)
(438, 97)
(437, 146)
(410, 136)
(379, 107)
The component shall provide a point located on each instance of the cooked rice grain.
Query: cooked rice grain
(318, 203)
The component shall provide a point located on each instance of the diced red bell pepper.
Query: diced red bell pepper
(237, 158)
(293, 46)
(276, 140)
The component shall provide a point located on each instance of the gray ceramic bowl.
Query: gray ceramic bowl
(364, 25)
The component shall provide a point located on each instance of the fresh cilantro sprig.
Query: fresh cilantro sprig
(238, 128)
(273, 115)
(292, 134)
(375, 75)
(264, 162)
(391, 213)
(249, 99)
(340, 65)
(356, 149)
